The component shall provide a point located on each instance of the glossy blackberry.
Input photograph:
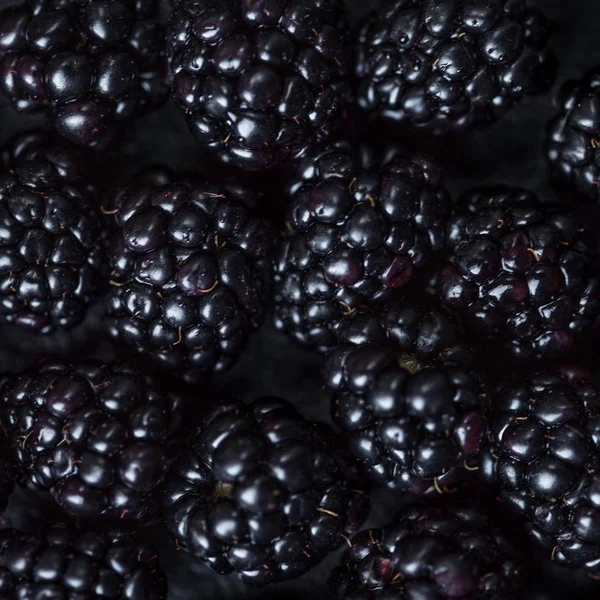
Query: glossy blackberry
(520, 271)
(96, 436)
(359, 229)
(451, 65)
(187, 273)
(91, 64)
(262, 492)
(544, 459)
(87, 565)
(430, 553)
(574, 136)
(53, 263)
(258, 81)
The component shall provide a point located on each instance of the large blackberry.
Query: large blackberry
(263, 492)
(520, 271)
(451, 65)
(258, 80)
(544, 458)
(90, 63)
(87, 565)
(359, 229)
(97, 436)
(187, 273)
(430, 553)
(53, 263)
(574, 136)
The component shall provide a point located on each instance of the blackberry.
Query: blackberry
(97, 436)
(258, 81)
(359, 229)
(574, 136)
(187, 273)
(91, 64)
(263, 492)
(520, 271)
(430, 552)
(64, 563)
(449, 66)
(544, 460)
(53, 263)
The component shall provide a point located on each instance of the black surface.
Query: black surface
(508, 152)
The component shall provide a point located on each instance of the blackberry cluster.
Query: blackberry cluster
(258, 81)
(520, 271)
(574, 136)
(263, 492)
(430, 553)
(92, 64)
(451, 65)
(97, 436)
(187, 273)
(359, 229)
(544, 459)
(87, 565)
(52, 259)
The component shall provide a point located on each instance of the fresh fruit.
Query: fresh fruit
(258, 81)
(451, 65)
(97, 436)
(92, 64)
(359, 229)
(263, 492)
(188, 280)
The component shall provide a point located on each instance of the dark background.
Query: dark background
(508, 152)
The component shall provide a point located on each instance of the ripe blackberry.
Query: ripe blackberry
(544, 459)
(187, 273)
(63, 563)
(574, 136)
(451, 65)
(53, 263)
(520, 271)
(258, 81)
(91, 64)
(263, 492)
(359, 230)
(97, 436)
(430, 553)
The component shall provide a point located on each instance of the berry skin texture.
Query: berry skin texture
(52, 255)
(574, 136)
(520, 272)
(258, 81)
(544, 460)
(97, 436)
(87, 565)
(92, 65)
(189, 283)
(358, 230)
(451, 65)
(262, 492)
(430, 553)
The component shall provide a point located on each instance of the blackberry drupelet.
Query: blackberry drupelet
(451, 65)
(359, 229)
(258, 81)
(263, 492)
(544, 460)
(520, 271)
(430, 553)
(87, 565)
(187, 272)
(92, 64)
(97, 436)
(52, 256)
(574, 136)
